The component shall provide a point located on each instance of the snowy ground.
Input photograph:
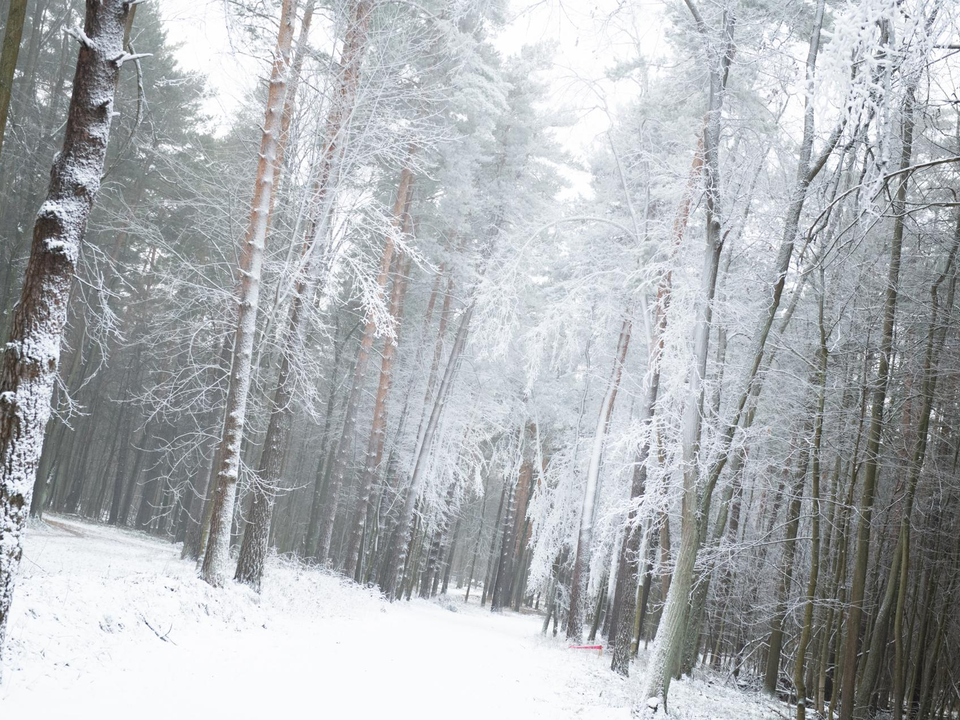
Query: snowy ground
(112, 624)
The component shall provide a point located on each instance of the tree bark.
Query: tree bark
(849, 701)
(253, 549)
(16, 15)
(897, 581)
(378, 428)
(32, 353)
(215, 560)
(775, 641)
(665, 654)
(807, 631)
(622, 622)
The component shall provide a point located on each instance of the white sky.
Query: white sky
(590, 35)
(200, 27)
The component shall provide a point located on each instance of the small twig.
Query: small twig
(162, 637)
(77, 33)
(126, 57)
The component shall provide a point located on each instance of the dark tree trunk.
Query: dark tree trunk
(32, 353)
(16, 15)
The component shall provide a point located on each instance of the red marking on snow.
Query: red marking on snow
(586, 647)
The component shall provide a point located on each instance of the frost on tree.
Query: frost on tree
(32, 353)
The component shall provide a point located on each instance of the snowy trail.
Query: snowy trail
(82, 645)
(109, 623)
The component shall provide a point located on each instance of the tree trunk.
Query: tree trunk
(405, 525)
(248, 299)
(253, 549)
(8, 58)
(378, 428)
(370, 330)
(581, 564)
(497, 600)
(849, 701)
(897, 581)
(775, 641)
(805, 634)
(622, 622)
(669, 639)
(32, 354)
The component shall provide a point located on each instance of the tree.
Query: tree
(248, 299)
(16, 14)
(666, 650)
(585, 539)
(32, 353)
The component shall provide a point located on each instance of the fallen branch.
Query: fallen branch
(163, 637)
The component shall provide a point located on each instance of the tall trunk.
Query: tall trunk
(581, 563)
(626, 588)
(775, 642)
(370, 330)
(808, 168)
(476, 546)
(491, 566)
(405, 524)
(646, 550)
(665, 654)
(378, 428)
(598, 609)
(668, 655)
(253, 549)
(117, 496)
(16, 15)
(449, 556)
(32, 353)
(732, 530)
(435, 363)
(430, 569)
(849, 701)
(248, 299)
(250, 567)
(337, 123)
(521, 524)
(805, 634)
(524, 557)
(312, 535)
(897, 582)
(497, 600)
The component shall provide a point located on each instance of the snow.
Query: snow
(108, 622)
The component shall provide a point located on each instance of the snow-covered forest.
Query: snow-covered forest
(480, 358)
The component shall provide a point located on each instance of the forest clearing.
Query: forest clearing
(394, 357)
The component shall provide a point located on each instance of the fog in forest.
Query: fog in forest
(480, 358)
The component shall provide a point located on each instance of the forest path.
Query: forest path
(109, 624)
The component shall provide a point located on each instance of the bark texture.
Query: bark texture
(32, 353)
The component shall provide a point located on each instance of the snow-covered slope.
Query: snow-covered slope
(109, 624)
